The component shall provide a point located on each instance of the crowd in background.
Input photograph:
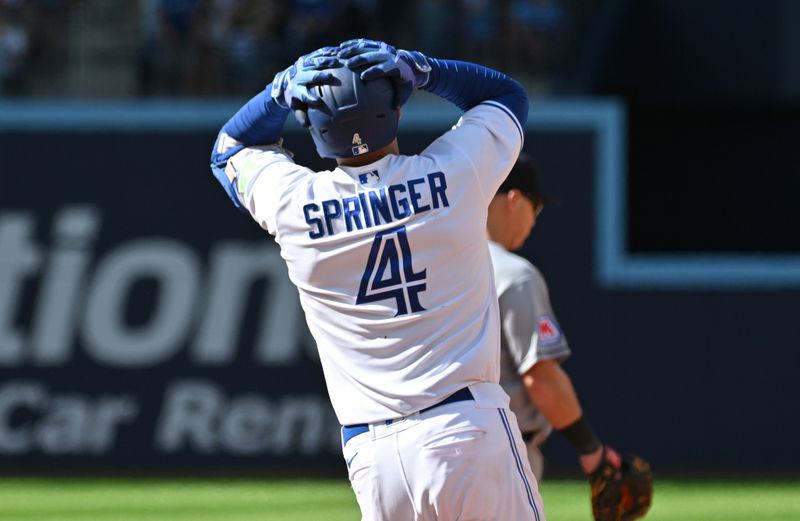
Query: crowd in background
(232, 47)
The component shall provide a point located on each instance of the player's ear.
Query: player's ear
(513, 196)
(399, 114)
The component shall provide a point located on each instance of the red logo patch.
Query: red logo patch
(548, 331)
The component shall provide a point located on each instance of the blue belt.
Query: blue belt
(350, 431)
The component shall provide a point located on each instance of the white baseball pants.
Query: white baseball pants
(462, 461)
(535, 456)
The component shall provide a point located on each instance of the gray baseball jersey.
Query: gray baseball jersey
(529, 331)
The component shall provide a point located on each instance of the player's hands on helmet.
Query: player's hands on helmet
(409, 69)
(293, 87)
(361, 46)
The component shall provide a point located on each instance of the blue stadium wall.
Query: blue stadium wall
(146, 325)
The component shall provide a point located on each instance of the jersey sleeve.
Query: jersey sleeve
(530, 328)
(486, 141)
(262, 176)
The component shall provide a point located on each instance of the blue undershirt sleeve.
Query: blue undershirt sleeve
(468, 84)
(258, 122)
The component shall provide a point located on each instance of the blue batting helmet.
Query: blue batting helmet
(355, 117)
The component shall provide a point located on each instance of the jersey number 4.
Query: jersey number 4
(390, 273)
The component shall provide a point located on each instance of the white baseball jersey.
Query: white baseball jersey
(530, 332)
(390, 261)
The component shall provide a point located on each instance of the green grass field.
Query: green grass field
(332, 500)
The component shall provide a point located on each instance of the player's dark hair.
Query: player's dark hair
(523, 177)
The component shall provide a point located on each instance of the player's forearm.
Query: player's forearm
(467, 84)
(259, 122)
(552, 391)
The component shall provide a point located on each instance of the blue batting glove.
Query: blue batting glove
(294, 86)
(409, 69)
(408, 66)
(361, 45)
(331, 50)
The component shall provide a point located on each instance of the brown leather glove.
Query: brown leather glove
(624, 493)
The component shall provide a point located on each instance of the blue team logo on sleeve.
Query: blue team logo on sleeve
(390, 273)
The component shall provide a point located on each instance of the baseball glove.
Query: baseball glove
(624, 493)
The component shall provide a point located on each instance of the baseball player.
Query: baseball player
(533, 347)
(394, 276)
